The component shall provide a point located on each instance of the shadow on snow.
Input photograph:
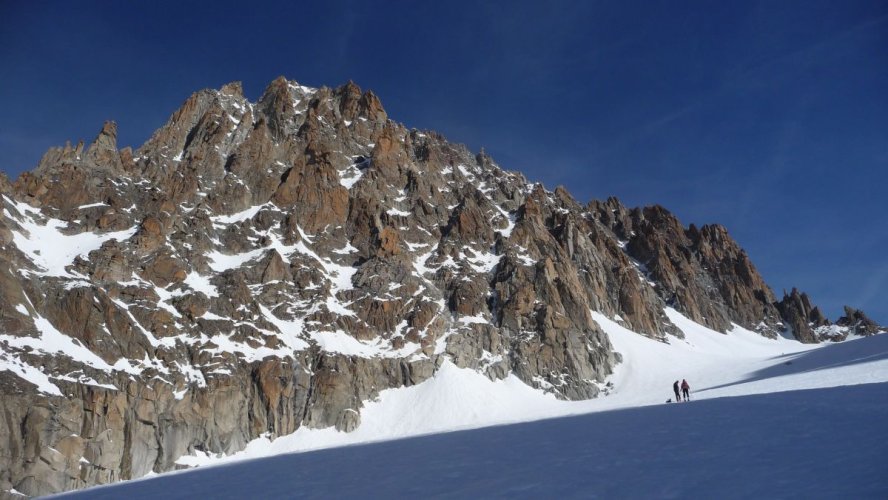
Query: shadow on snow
(787, 443)
(842, 354)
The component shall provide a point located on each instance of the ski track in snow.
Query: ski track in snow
(763, 422)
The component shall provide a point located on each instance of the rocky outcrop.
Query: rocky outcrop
(853, 324)
(701, 272)
(808, 324)
(802, 318)
(255, 268)
(858, 323)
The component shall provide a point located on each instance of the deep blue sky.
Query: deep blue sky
(768, 117)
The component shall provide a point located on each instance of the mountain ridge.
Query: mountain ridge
(274, 264)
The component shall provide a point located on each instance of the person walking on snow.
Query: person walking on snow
(675, 389)
(685, 389)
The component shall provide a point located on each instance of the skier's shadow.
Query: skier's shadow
(849, 353)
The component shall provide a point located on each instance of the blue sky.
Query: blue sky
(768, 117)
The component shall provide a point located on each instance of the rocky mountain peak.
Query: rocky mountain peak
(107, 137)
(232, 89)
(276, 264)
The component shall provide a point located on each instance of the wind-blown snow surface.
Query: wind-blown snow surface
(777, 440)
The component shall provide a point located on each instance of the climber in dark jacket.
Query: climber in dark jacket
(675, 389)
(685, 389)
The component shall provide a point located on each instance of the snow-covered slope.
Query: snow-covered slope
(772, 439)
(822, 443)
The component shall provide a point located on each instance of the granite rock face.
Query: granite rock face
(258, 267)
(701, 272)
(801, 316)
(858, 323)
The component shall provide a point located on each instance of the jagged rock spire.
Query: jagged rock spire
(102, 153)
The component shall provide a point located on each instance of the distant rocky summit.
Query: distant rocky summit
(258, 267)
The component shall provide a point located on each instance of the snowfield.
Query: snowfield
(772, 418)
